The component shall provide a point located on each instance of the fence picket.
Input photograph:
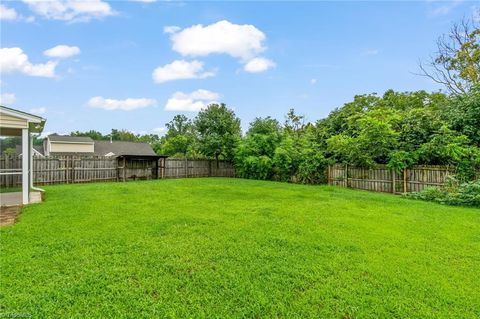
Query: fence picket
(71, 169)
(381, 179)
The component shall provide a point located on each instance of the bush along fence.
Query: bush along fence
(382, 179)
(71, 169)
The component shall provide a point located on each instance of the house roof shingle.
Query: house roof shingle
(72, 139)
(38, 148)
(102, 148)
(119, 148)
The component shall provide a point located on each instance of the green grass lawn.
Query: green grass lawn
(238, 248)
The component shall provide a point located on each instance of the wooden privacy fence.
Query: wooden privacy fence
(70, 169)
(181, 167)
(382, 179)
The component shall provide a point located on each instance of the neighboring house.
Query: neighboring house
(58, 145)
(136, 160)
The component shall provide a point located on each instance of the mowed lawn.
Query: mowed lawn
(221, 248)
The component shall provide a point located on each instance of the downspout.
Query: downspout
(30, 165)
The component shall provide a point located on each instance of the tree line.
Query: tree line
(399, 129)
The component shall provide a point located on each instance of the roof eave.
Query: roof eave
(70, 142)
(23, 115)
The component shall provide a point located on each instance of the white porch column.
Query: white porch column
(30, 161)
(25, 168)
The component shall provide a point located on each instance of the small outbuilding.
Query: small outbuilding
(64, 145)
(135, 160)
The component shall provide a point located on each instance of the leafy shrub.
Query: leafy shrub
(284, 163)
(432, 194)
(400, 160)
(454, 193)
(311, 169)
(254, 167)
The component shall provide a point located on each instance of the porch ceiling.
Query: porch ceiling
(8, 131)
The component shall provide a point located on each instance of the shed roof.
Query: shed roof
(120, 148)
(69, 139)
(38, 149)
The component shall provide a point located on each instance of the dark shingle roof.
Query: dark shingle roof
(66, 138)
(38, 148)
(120, 148)
(71, 154)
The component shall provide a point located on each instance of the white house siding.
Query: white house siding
(9, 121)
(62, 147)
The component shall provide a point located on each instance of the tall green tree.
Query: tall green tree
(254, 154)
(180, 137)
(218, 131)
(94, 135)
(463, 114)
(123, 135)
(179, 125)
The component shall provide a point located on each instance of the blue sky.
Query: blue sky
(134, 65)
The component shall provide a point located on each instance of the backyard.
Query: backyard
(215, 247)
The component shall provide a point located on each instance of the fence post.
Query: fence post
(328, 175)
(405, 180)
(65, 167)
(7, 167)
(346, 175)
(72, 170)
(124, 169)
(117, 170)
(164, 164)
(393, 181)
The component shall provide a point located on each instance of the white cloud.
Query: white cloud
(38, 110)
(15, 60)
(7, 98)
(145, 1)
(239, 41)
(8, 13)
(171, 29)
(125, 105)
(204, 95)
(71, 10)
(180, 70)
(191, 102)
(313, 81)
(160, 130)
(257, 65)
(445, 8)
(62, 51)
(371, 52)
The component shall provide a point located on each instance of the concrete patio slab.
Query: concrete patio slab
(15, 199)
